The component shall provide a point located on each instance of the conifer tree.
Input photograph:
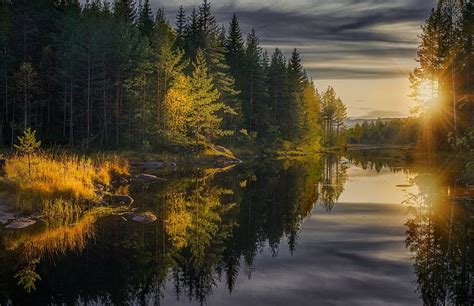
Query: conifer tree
(145, 19)
(125, 10)
(180, 28)
(204, 122)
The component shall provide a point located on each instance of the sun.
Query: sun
(428, 93)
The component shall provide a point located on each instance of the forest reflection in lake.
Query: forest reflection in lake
(326, 229)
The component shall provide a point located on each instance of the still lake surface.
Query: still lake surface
(368, 228)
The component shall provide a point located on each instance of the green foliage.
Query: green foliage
(98, 76)
(204, 124)
(442, 85)
(27, 144)
(403, 131)
(27, 276)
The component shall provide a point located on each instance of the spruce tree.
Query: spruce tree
(145, 19)
(204, 122)
(125, 10)
(235, 50)
(180, 28)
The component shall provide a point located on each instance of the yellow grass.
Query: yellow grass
(58, 240)
(67, 177)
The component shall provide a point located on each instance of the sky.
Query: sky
(365, 49)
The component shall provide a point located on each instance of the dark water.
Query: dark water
(365, 229)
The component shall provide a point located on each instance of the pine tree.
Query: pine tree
(296, 78)
(145, 19)
(235, 51)
(204, 122)
(253, 85)
(207, 21)
(180, 28)
(277, 90)
(125, 10)
(192, 35)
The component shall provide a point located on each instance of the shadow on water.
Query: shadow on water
(212, 224)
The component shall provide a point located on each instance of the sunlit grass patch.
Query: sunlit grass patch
(38, 179)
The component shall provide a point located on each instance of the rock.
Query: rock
(146, 217)
(20, 223)
(153, 165)
(121, 180)
(156, 164)
(6, 217)
(148, 178)
(120, 199)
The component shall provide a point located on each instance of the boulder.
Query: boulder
(157, 164)
(120, 199)
(153, 165)
(146, 217)
(6, 217)
(20, 223)
(148, 178)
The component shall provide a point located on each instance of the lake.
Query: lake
(363, 228)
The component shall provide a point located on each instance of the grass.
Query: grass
(66, 177)
(59, 239)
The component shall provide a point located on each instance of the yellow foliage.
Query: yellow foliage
(177, 106)
(178, 221)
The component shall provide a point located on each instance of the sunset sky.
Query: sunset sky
(364, 48)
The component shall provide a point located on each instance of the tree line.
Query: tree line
(403, 131)
(118, 75)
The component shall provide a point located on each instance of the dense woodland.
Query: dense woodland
(108, 75)
(402, 131)
(443, 83)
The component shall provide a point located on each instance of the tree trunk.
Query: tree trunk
(6, 77)
(118, 97)
(88, 108)
(71, 117)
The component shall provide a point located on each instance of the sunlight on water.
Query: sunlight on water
(369, 229)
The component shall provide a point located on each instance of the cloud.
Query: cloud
(331, 32)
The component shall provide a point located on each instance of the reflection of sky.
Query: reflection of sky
(354, 255)
(365, 48)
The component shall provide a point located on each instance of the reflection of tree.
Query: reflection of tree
(440, 233)
(332, 182)
(199, 237)
(395, 160)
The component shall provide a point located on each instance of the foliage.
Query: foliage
(442, 85)
(95, 75)
(403, 131)
(27, 143)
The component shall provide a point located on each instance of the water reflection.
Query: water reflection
(213, 224)
(440, 234)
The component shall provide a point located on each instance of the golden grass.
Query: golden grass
(55, 241)
(68, 177)
(58, 240)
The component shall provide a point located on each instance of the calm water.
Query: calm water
(365, 229)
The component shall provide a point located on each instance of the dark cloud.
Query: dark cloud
(331, 32)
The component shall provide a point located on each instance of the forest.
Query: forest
(403, 131)
(100, 75)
